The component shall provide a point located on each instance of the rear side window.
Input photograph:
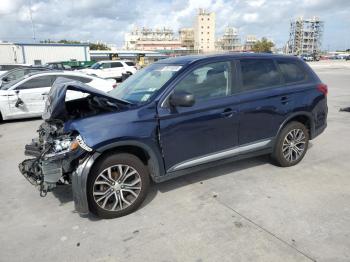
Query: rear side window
(116, 64)
(259, 73)
(292, 71)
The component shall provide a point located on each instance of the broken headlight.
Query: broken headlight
(68, 144)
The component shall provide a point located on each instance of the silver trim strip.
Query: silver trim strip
(220, 155)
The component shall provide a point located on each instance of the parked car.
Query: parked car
(58, 66)
(6, 67)
(307, 57)
(17, 73)
(173, 117)
(111, 69)
(25, 97)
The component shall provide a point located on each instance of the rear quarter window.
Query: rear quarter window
(130, 63)
(292, 71)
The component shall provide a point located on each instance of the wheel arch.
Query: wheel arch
(303, 117)
(145, 153)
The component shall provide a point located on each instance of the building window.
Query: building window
(202, 19)
(208, 33)
(208, 27)
(202, 27)
(208, 19)
(202, 33)
(208, 47)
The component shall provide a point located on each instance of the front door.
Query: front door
(28, 99)
(208, 130)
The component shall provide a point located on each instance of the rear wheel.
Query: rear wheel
(291, 144)
(117, 185)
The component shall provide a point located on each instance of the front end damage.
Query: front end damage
(54, 157)
(59, 155)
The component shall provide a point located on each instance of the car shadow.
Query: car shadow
(64, 192)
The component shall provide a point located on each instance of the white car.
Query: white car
(26, 96)
(111, 69)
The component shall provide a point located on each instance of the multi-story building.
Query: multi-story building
(186, 36)
(230, 41)
(151, 39)
(204, 31)
(305, 36)
(250, 40)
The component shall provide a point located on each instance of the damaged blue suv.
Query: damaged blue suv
(175, 116)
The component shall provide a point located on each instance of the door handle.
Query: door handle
(228, 112)
(285, 99)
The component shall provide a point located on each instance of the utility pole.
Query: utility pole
(31, 19)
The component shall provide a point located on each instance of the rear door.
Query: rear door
(117, 68)
(206, 131)
(32, 93)
(264, 100)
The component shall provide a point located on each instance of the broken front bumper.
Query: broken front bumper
(45, 172)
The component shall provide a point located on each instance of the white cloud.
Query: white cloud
(250, 17)
(108, 20)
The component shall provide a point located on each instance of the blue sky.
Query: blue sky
(108, 20)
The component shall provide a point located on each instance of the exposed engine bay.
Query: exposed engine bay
(56, 152)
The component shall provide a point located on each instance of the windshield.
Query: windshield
(139, 88)
(96, 66)
(7, 85)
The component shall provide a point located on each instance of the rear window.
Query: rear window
(292, 71)
(8, 67)
(130, 63)
(259, 73)
(77, 78)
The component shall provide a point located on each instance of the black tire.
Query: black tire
(126, 160)
(285, 159)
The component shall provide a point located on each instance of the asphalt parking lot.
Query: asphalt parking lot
(248, 210)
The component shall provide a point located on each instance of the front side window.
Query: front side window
(140, 87)
(208, 82)
(130, 63)
(292, 72)
(259, 73)
(38, 82)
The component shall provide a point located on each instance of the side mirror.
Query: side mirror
(181, 98)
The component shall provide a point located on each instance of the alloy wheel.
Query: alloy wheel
(293, 145)
(117, 187)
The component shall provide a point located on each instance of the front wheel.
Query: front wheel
(291, 144)
(117, 185)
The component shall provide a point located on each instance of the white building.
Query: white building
(37, 53)
(230, 41)
(151, 39)
(204, 31)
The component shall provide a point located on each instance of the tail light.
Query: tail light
(114, 85)
(323, 88)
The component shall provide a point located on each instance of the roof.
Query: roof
(182, 60)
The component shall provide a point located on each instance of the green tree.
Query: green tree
(263, 46)
(98, 46)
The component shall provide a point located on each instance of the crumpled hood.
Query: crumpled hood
(55, 104)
